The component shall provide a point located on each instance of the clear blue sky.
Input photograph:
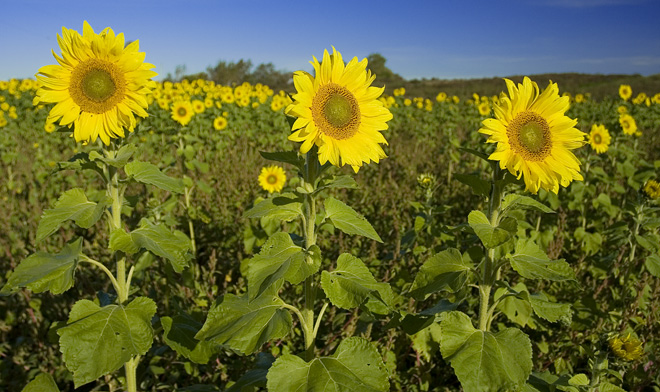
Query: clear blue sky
(443, 39)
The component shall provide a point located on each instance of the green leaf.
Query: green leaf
(514, 201)
(286, 207)
(549, 310)
(447, 270)
(516, 309)
(351, 284)
(99, 340)
(119, 160)
(160, 241)
(72, 205)
(479, 186)
(355, 366)
(649, 244)
(42, 383)
(279, 259)
(120, 240)
(148, 173)
(427, 341)
(485, 361)
(245, 326)
(348, 220)
(43, 271)
(652, 264)
(530, 261)
(490, 236)
(179, 333)
(291, 157)
(337, 182)
(255, 377)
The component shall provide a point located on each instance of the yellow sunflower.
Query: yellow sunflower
(599, 138)
(198, 106)
(628, 124)
(628, 348)
(534, 137)
(625, 92)
(484, 108)
(652, 189)
(99, 86)
(220, 123)
(182, 112)
(339, 111)
(272, 178)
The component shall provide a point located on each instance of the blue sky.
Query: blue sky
(443, 39)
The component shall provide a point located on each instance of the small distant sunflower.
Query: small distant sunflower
(599, 138)
(628, 124)
(49, 127)
(652, 189)
(534, 136)
(220, 123)
(99, 86)
(338, 110)
(628, 348)
(622, 109)
(625, 92)
(272, 178)
(182, 112)
(484, 108)
(198, 106)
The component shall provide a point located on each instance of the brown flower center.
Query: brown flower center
(529, 136)
(336, 112)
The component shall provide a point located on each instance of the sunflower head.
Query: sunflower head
(599, 138)
(651, 189)
(625, 92)
(628, 124)
(627, 348)
(534, 137)
(220, 123)
(99, 85)
(338, 110)
(272, 178)
(182, 112)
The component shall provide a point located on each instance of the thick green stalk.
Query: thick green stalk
(488, 274)
(310, 240)
(131, 374)
(186, 193)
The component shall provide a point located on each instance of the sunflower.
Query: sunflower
(484, 108)
(182, 112)
(338, 110)
(628, 124)
(625, 92)
(272, 178)
(220, 123)
(198, 106)
(599, 138)
(627, 348)
(99, 86)
(652, 189)
(534, 137)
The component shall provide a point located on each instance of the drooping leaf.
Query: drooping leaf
(484, 361)
(72, 205)
(148, 173)
(99, 340)
(160, 241)
(179, 333)
(447, 270)
(279, 259)
(286, 207)
(120, 240)
(652, 264)
(291, 157)
(355, 366)
(489, 235)
(42, 383)
(337, 182)
(351, 284)
(348, 220)
(514, 201)
(427, 341)
(255, 377)
(245, 326)
(530, 261)
(479, 186)
(548, 310)
(43, 271)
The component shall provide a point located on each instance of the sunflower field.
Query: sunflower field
(189, 236)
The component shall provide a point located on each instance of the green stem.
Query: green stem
(489, 270)
(186, 193)
(131, 373)
(105, 269)
(310, 240)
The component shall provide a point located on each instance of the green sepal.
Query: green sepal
(148, 173)
(286, 207)
(484, 361)
(179, 333)
(490, 236)
(98, 340)
(355, 366)
(348, 220)
(43, 271)
(447, 270)
(244, 325)
(291, 157)
(44, 382)
(279, 259)
(72, 205)
(351, 284)
(531, 262)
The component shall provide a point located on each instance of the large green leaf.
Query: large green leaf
(549, 310)
(351, 284)
(46, 272)
(179, 333)
(447, 270)
(279, 259)
(99, 340)
(157, 239)
(244, 325)
(530, 261)
(489, 235)
(348, 220)
(148, 173)
(42, 383)
(286, 207)
(337, 182)
(355, 366)
(652, 264)
(290, 157)
(484, 361)
(72, 205)
(426, 342)
(514, 201)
